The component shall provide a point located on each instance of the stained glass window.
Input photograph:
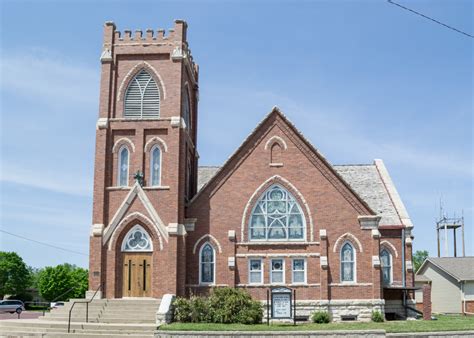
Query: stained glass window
(277, 272)
(347, 263)
(255, 271)
(207, 263)
(137, 239)
(386, 263)
(155, 166)
(186, 108)
(123, 167)
(277, 216)
(299, 275)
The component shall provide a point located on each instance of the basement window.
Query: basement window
(349, 318)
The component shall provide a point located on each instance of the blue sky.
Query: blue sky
(361, 79)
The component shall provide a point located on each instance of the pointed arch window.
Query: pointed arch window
(142, 99)
(186, 108)
(155, 166)
(207, 256)
(137, 239)
(277, 216)
(123, 166)
(386, 264)
(347, 263)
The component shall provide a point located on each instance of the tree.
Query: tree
(14, 274)
(64, 281)
(419, 257)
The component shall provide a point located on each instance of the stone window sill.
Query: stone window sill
(162, 187)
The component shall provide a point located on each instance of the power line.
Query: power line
(42, 243)
(427, 17)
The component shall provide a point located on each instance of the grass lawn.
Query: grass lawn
(444, 323)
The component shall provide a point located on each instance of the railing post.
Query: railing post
(87, 312)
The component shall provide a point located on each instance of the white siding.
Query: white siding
(419, 293)
(445, 291)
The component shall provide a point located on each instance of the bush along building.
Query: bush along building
(276, 213)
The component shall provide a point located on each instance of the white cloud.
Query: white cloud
(44, 75)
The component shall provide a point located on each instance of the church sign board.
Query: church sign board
(281, 303)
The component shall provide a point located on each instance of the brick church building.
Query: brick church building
(276, 213)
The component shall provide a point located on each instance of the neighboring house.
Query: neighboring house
(276, 213)
(452, 283)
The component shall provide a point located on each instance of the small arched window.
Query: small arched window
(276, 153)
(386, 264)
(155, 166)
(142, 99)
(207, 264)
(347, 263)
(137, 239)
(123, 166)
(277, 216)
(186, 108)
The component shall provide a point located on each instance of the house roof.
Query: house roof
(364, 179)
(422, 278)
(461, 268)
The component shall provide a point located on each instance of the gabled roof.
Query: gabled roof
(461, 268)
(218, 174)
(364, 179)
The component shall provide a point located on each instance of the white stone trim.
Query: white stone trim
(266, 285)
(347, 236)
(375, 233)
(324, 262)
(156, 220)
(369, 221)
(244, 255)
(102, 123)
(275, 139)
(155, 140)
(164, 315)
(390, 246)
(178, 122)
(259, 190)
(295, 243)
(205, 285)
(106, 56)
(409, 266)
(393, 193)
(323, 234)
(176, 229)
(96, 230)
(125, 221)
(350, 284)
(121, 141)
(231, 235)
(231, 262)
(204, 237)
(133, 71)
(376, 261)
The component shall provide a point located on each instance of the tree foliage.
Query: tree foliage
(14, 274)
(419, 257)
(64, 281)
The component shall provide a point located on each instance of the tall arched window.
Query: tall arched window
(137, 239)
(155, 166)
(207, 264)
(277, 216)
(386, 264)
(123, 165)
(348, 263)
(186, 108)
(142, 99)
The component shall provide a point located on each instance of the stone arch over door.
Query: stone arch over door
(135, 246)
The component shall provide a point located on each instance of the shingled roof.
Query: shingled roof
(364, 179)
(461, 268)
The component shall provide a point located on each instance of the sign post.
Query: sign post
(281, 300)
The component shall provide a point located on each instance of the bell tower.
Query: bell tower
(145, 159)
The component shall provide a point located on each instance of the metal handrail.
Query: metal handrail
(64, 293)
(87, 309)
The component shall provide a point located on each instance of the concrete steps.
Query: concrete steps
(107, 318)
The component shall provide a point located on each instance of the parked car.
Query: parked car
(55, 305)
(12, 306)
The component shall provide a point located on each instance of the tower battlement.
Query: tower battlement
(175, 34)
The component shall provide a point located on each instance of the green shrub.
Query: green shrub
(377, 316)
(229, 305)
(321, 317)
(225, 305)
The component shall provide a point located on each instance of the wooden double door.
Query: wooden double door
(137, 269)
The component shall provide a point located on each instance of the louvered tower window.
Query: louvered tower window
(143, 97)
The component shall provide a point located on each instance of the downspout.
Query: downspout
(404, 284)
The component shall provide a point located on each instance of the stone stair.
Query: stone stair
(107, 318)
